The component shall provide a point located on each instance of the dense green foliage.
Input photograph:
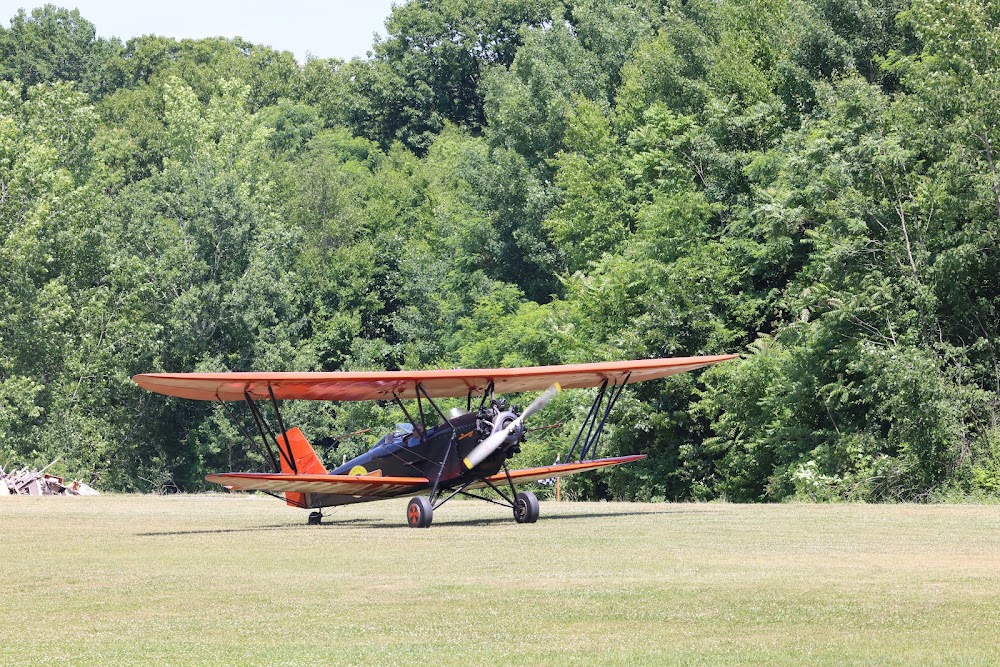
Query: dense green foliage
(808, 182)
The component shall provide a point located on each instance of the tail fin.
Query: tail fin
(306, 462)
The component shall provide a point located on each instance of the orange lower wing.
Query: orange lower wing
(376, 486)
(547, 472)
(360, 486)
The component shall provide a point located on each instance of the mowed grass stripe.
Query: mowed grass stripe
(234, 579)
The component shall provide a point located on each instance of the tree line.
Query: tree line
(811, 183)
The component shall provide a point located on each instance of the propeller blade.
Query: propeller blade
(493, 441)
(540, 402)
(485, 448)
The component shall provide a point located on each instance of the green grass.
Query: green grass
(218, 579)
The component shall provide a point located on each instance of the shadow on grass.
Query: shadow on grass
(506, 518)
(259, 529)
(374, 523)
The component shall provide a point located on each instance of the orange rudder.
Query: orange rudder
(306, 462)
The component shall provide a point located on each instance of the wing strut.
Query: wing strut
(262, 428)
(281, 424)
(587, 421)
(591, 446)
(451, 444)
(266, 450)
(487, 394)
(590, 422)
(265, 429)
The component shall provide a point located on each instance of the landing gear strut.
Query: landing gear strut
(315, 518)
(419, 512)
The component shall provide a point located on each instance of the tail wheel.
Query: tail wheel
(526, 507)
(419, 512)
(315, 518)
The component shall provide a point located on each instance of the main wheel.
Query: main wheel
(315, 518)
(419, 513)
(526, 507)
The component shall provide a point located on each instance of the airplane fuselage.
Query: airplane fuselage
(407, 454)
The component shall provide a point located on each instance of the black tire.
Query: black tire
(315, 518)
(419, 512)
(526, 507)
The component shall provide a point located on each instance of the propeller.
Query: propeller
(493, 441)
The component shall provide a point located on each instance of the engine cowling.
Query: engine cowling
(503, 421)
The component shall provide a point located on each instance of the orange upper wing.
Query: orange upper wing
(371, 386)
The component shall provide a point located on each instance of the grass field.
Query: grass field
(215, 579)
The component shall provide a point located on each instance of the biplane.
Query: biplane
(464, 452)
